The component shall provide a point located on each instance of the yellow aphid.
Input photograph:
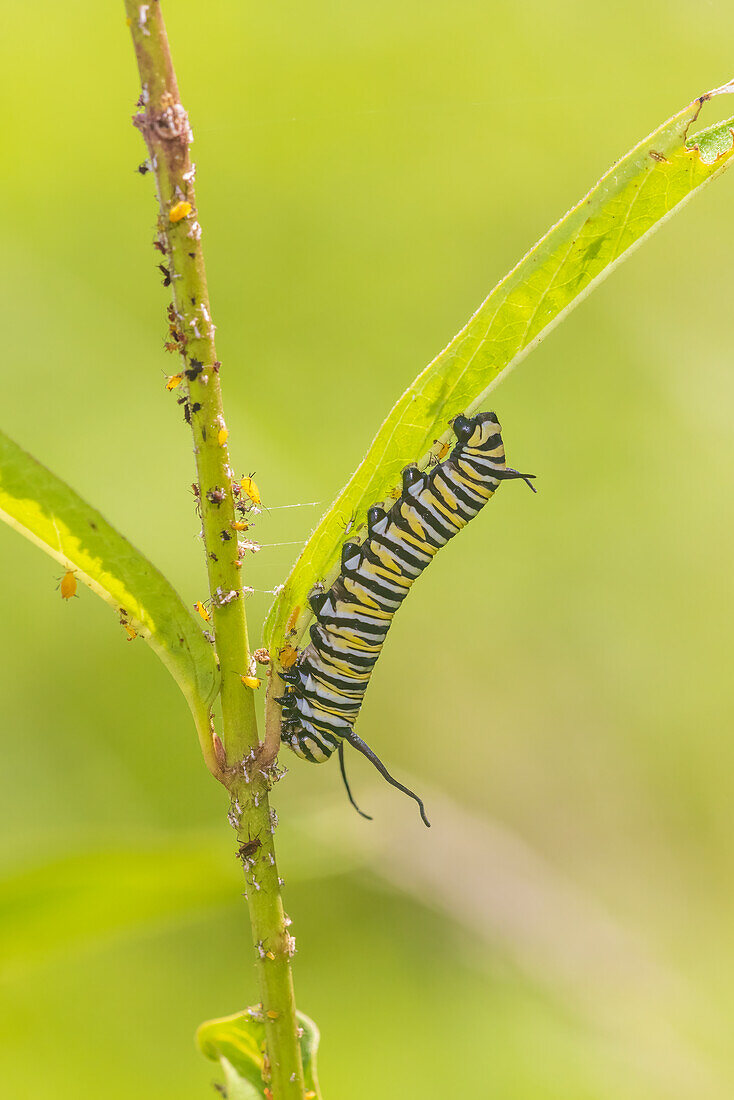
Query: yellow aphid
(251, 682)
(222, 436)
(288, 656)
(442, 450)
(273, 1015)
(173, 381)
(292, 619)
(250, 489)
(180, 211)
(199, 606)
(310, 1095)
(68, 585)
(239, 525)
(131, 631)
(269, 955)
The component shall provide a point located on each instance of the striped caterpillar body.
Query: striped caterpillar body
(325, 688)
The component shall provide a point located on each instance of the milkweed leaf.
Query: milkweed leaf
(236, 1087)
(238, 1043)
(50, 514)
(629, 202)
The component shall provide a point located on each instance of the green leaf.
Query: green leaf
(43, 508)
(239, 1042)
(636, 195)
(236, 1087)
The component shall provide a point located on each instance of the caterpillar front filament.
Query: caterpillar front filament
(326, 685)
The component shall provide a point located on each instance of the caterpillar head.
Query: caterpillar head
(476, 431)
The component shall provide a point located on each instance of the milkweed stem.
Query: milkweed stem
(164, 124)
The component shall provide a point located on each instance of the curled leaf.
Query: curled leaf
(238, 1044)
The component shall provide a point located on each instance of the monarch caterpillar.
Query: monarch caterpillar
(326, 685)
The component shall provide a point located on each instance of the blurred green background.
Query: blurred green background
(558, 687)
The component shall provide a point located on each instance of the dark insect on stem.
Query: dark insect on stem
(194, 370)
(143, 168)
(165, 273)
(197, 498)
(247, 849)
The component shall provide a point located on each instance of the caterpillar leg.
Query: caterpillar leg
(358, 744)
(508, 474)
(350, 796)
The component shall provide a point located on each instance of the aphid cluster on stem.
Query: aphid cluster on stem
(194, 369)
(176, 342)
(221, 598)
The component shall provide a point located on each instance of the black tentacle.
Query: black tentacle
(508, 474)
(350, 796)
(361, 746)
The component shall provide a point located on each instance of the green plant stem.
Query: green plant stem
(164, 124)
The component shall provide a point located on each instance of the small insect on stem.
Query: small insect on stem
(248, 848)
(180, 211)
(127, 626)
(67, 585)
(442, 449)
(287, 655)
(290, 626)
(250, 489)
(194, 369)
(199, 606)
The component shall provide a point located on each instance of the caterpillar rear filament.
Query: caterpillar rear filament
(326, 685)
